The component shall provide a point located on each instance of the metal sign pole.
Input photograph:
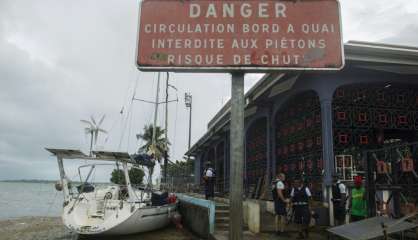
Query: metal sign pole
(237, 156)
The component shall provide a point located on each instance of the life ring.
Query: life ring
(108, 195)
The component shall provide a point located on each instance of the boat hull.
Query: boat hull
(130, 219)
(144, 220)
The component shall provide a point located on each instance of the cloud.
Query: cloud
(388, 21)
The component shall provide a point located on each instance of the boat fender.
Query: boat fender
(108, 195)
(58, 186)
(176, 219)
(172, 199)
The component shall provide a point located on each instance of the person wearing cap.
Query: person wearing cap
(358, 202)
(280, 202)
(301, 196)
(339, 195)
(209, 181)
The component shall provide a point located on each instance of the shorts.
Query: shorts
(339, 212)
(280, 208)
(302, 215)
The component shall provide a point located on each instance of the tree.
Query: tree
(136, 176)
(181, 168)
(118, 177)
(160, 142)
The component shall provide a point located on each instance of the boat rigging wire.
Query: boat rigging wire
(132, 112)
(124, 126)
(126, 121)
(121, 112)
(129, 129)
(175, 126)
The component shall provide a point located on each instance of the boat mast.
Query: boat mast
(166, 129)
(154, 127)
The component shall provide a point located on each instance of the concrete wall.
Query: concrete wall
(259, 216)
(198, 215)
(254, 216)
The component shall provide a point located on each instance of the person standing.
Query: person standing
(209, 181)
(301, 196)
(280, 202)
(358, 203)
(339, 198)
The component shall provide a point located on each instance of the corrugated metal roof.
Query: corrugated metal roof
(371, 228)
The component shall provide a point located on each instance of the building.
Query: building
(301, 122)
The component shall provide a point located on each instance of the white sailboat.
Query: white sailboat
(111, 209)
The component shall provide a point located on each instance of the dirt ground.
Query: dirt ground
(37, 228)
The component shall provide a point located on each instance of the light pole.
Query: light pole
(188, 100)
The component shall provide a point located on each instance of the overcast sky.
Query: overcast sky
(62, 61)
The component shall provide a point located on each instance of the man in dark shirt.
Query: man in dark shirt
(339, 196)
(278, 191)
(209, 181)
(301, 195)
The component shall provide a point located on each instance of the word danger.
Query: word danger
(230, 10)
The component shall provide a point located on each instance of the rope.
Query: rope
(129, 129)
(125, 101)
(121, 113)
(114, 124)
(131, 112)
(125, 126)
(149, 109)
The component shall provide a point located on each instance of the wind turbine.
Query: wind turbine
(93, 129)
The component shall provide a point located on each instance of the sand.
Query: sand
(34, 228)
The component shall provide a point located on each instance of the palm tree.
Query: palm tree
(157, 151)
(160, 142)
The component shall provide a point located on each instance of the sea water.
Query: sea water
(25, 199)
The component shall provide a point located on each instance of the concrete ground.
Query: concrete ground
(317, 235)
(37, 228)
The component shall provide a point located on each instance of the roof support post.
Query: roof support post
(237, 156)
(268, 149)
(272, 140)
(327, 153)
(225, 139)
(197, 163)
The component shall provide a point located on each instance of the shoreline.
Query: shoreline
(47, 228)
(51, 228)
